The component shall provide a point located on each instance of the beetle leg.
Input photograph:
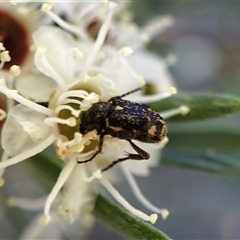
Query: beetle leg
(142, 155)
(97, 152)
(141, 152)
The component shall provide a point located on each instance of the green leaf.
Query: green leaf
(212, 146)
(123, 222)
(105, 211)
(201, 106)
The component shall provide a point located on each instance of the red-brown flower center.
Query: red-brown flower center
(15, 39)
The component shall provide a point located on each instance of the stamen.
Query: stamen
(156, 97)
(64, 175)
(65, 25)
(4, 56)
(100, 39)
(74, 112)
(76, 140)
(50, 70)
(183, 110)
(15, 70)
(72, 93)
(71, 122)
(27, 204)
(29, 153)
(138, 194)
(14, 95)
(46, 7)
(152, 218)
(85, 79)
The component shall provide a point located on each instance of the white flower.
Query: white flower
(17, 23)
(76, 79)
(123, 33)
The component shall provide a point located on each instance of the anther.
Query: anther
(79, 55)
(46, 7)
(71, 122)
(45, 220)
(112, 5)
(153, 218)
(172, 90)
(141, 81)
(164, 213)
(5, 57)
(127, 51)
(184, 110)
(97, 174)
(15, 70)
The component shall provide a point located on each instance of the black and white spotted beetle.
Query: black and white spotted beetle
(123, 119)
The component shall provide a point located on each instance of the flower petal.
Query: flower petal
(36, 86)
(78, 196)
(152, 68)
(23, 129)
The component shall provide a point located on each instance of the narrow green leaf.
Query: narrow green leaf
(123, 222)
(211, 146)
(201, 106)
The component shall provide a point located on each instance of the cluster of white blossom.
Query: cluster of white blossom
(94, 53)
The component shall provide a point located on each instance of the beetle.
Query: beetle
(126, 120)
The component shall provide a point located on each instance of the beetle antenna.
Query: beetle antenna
(135, 90)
